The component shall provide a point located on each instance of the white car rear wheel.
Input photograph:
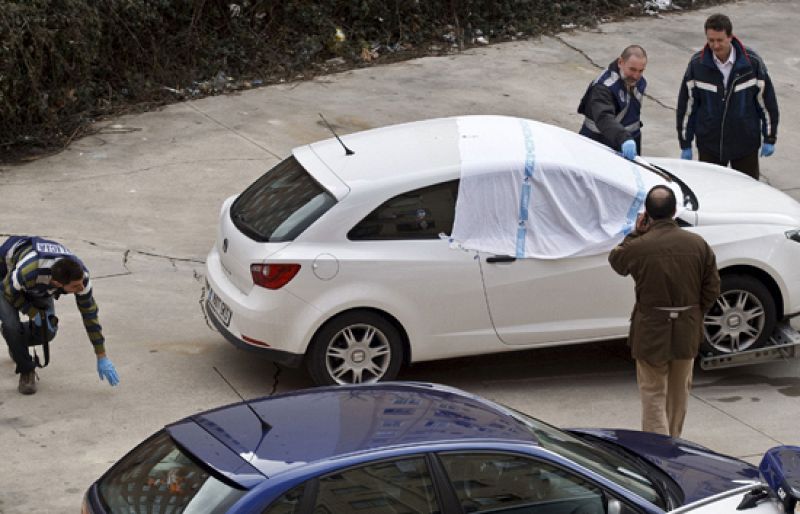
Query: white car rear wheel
(354, 348)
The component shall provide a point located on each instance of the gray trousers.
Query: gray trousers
(18, 335)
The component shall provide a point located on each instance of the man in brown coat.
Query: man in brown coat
(677, 281)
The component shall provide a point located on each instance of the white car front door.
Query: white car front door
(540, 301)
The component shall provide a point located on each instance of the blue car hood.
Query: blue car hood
(698, 471)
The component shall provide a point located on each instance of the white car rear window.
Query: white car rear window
(281, 204)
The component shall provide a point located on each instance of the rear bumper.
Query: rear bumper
(288, 359)
(273, 323)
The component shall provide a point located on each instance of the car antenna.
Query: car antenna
(265, 427)
(347, 151)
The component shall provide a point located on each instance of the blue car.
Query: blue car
(423, 448)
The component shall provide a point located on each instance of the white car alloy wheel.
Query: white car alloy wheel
(354, 348)
(742, 318)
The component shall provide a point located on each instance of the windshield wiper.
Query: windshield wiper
(688, 194)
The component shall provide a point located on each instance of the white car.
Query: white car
(341, 259)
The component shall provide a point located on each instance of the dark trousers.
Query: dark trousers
(747, 164)
(18, 335)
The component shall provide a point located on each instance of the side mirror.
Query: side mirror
(615, 506)
(780, 468)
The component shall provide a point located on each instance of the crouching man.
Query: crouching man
(35, 272)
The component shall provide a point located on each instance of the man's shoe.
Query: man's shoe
(27, 382)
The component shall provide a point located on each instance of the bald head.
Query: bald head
(633, 50)
(660, 203)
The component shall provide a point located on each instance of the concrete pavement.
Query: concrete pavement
(139, 203)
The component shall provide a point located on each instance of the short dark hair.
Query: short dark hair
(719, 22)
(630, 50)
(66, 270)
(660, 206)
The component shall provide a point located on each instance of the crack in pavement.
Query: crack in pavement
(173, 259)
(599, 67)
(275, 378)
(236, 391)
(126, 256)
(112, 275)
(128, 252)
(234, 131)
(125, 260)
(748, 425)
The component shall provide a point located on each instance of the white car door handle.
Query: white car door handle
(501, 258)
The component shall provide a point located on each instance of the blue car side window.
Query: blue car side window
(402, 486)
(289, 503)
(502, 483)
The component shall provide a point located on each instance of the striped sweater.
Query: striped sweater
(27, 278)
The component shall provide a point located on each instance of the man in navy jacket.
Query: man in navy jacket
(612, 103)
(727, 102)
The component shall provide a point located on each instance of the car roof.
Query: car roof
(387, 153)
(325, 423)
(436, 150)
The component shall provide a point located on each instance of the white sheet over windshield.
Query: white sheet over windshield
(529, 189)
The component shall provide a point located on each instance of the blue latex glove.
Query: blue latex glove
(47, 316)
(629, 149)
(686, 154)
(106, 370)
(767, 150)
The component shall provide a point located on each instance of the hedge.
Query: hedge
(63, 63)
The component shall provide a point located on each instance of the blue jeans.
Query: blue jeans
(18, 335)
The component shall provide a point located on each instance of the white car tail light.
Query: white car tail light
(273, 276)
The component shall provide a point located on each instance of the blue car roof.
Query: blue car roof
(324, 423)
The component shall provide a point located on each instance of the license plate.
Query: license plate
(219, 307)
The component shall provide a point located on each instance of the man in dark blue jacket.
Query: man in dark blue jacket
(727, 102)
(612, 103)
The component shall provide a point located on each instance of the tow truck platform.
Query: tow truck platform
(783, 345)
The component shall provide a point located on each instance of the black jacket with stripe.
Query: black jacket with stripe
(612, 112)
(727, 120)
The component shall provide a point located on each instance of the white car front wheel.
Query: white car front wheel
(742, 318)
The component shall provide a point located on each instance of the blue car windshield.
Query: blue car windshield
(158, 477)
(602, 462)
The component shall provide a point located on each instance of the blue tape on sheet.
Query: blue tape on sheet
(525, 196)
(636, 205)
(524, 200)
